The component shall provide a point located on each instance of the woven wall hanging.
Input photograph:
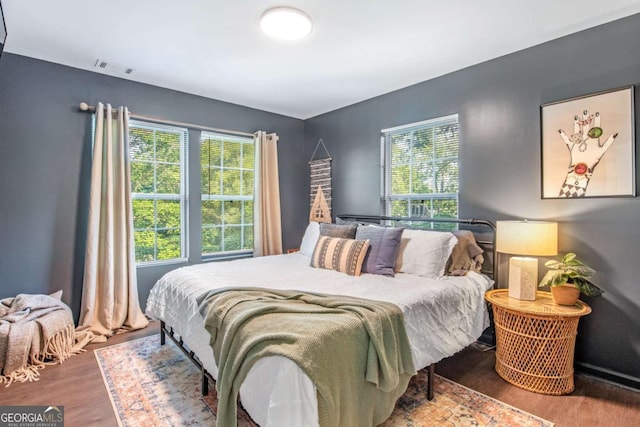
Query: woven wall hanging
(320, 191)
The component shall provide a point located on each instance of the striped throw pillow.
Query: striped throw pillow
(343, 255)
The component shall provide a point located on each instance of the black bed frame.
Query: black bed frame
(489, 268)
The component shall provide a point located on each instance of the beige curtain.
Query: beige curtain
(110, 291)
(267, 233)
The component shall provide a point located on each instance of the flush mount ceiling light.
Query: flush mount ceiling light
(285, 23)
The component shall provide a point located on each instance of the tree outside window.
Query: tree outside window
(227, 182)
(420, 170)
(157, 155)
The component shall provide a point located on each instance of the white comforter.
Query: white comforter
(442, 316)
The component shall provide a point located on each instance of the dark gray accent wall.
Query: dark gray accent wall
(45, 165)
(45, 157)
(498, 104)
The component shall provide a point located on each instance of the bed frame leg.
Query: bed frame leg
(431, 371)
(190, 354)
(205, 383)
(163, 337)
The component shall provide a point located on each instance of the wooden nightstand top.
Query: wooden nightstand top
(542, 306)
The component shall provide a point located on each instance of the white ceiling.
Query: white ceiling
(358, 49)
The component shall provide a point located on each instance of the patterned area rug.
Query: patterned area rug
(153, 385)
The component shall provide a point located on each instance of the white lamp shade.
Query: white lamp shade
(537, 238)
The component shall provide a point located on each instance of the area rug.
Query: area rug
(154, 385)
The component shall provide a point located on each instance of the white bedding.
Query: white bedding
(442, 316)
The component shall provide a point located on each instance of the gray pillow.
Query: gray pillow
(335, 230)
(384, 243)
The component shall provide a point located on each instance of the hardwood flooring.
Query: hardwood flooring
(77, 385)
(593, 403)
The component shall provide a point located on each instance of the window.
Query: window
(158, 186)
(227, 171)
(420, 169)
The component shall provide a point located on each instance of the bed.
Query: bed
(441, 315)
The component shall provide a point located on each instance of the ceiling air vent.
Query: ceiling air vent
(112, 68)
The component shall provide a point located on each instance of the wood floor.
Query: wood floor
(593, 403)
(77, 385)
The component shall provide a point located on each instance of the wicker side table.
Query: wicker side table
(535, 341)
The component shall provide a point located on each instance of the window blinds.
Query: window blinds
(157, 156)
(420, 169)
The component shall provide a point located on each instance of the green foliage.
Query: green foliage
(155, 170)
(168, 179)
(247, 156)
(211, 240)
(227, 173)
(400, 208)
(424, 166)
(211, 212)
(570, 269)
(227, 181)
(230, 182)
(142, 180)
(247, 183)
(227, 225)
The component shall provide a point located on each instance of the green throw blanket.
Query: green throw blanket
(355, 351)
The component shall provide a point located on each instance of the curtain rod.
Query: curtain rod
(91, 109)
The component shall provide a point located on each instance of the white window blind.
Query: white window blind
(227, 172)
(420, 169)
(158, 184)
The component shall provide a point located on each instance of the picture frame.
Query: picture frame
(588, 146)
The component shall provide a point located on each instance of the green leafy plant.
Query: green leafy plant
(570, 269)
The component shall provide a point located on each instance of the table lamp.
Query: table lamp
(536, 238)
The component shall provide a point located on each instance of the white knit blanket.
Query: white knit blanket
(35, 330)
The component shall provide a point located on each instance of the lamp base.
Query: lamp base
(523, 278)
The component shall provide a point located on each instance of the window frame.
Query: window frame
(235, 253)
(183, 197)
(386, 194)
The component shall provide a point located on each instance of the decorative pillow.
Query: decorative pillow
(343, 255)
(336, 230)
(310, 238)
(384, 243)
(424, 252)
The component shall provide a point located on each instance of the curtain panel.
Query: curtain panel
(110, 290)
(266, 221)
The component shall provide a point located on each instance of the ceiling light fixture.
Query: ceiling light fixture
(286, 23)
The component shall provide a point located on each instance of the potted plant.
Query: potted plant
(568, 277)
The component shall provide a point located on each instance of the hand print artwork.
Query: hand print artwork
(596, 157)
(586, 151)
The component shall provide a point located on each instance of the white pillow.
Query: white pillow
(311, 235)
(424, 253)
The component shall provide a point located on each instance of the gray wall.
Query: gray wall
(45, 160)
(498, 104)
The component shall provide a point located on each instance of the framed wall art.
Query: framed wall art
(588, 146)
